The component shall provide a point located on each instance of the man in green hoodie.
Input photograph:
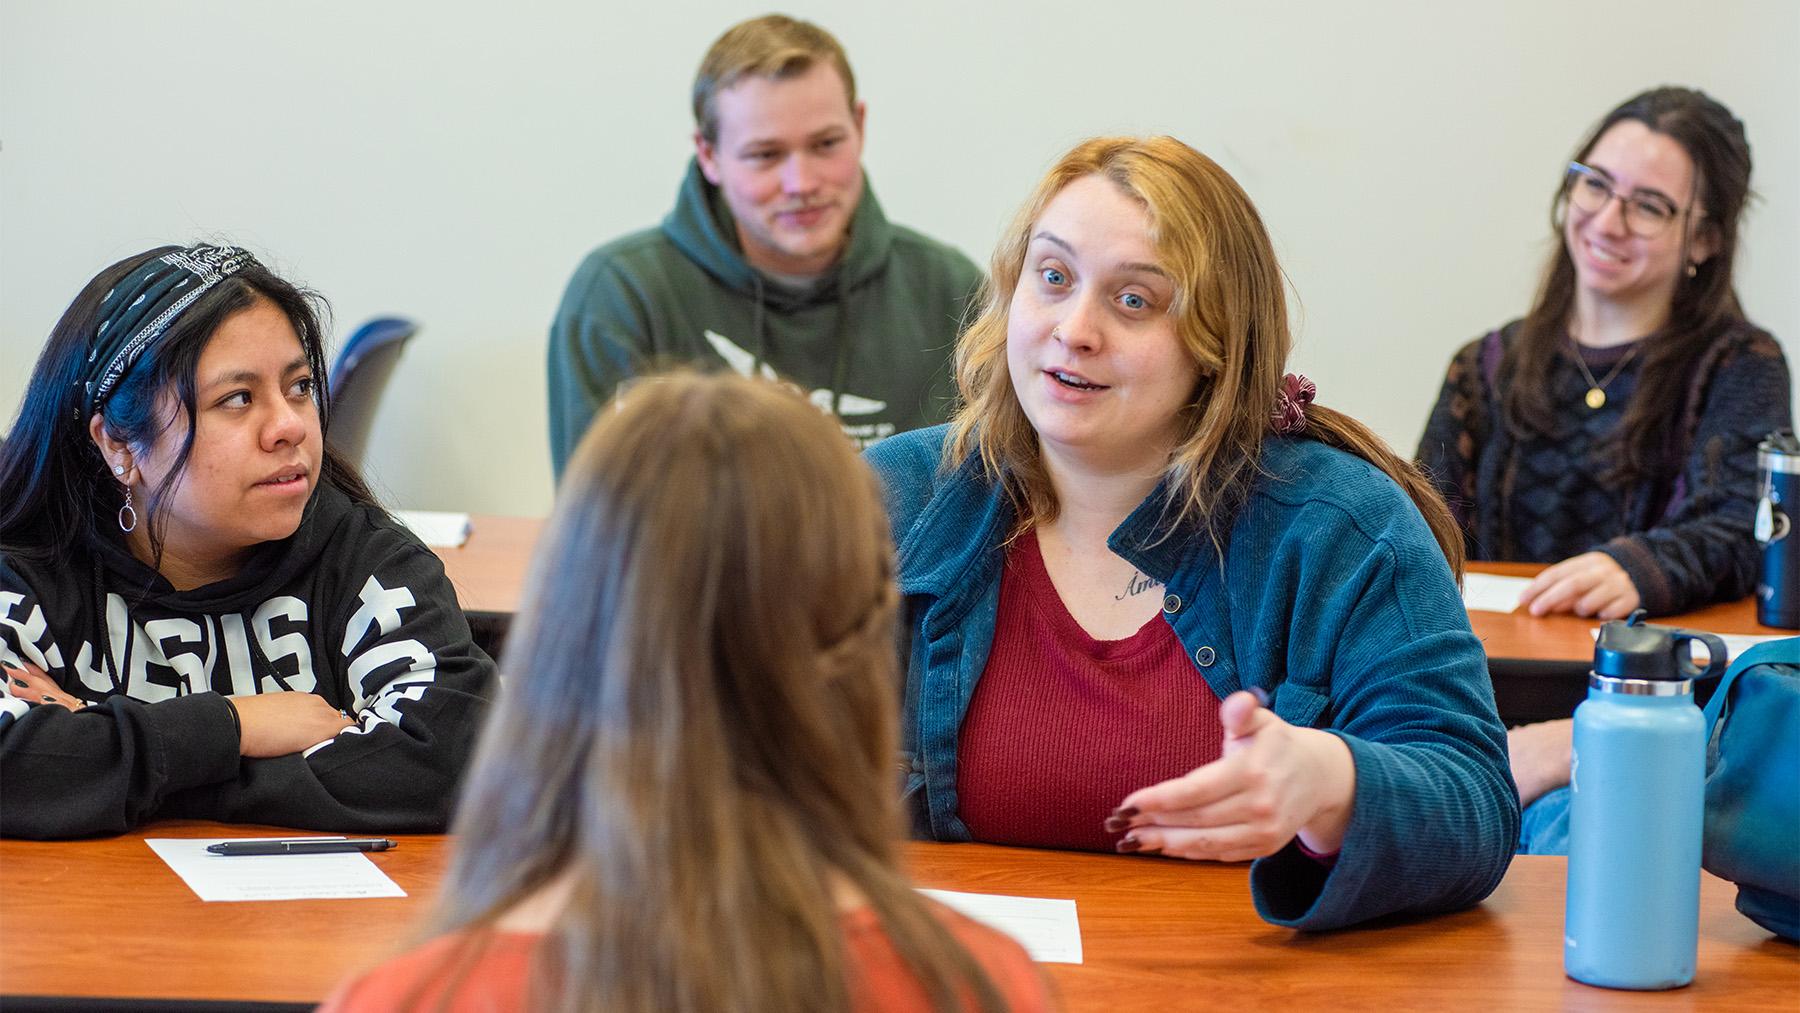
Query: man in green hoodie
(776, 261)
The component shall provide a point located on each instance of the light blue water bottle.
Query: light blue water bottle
(1637, 788)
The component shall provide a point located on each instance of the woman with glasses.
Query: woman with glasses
(1612, 431)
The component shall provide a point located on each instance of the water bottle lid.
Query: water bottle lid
(1779, 453)
(1628, 651)
(1635, 650)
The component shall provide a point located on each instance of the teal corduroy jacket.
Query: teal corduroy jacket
(1330, 595)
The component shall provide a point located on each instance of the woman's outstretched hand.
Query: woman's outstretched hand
(1274, 782)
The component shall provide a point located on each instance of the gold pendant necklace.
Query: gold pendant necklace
(1596, 395)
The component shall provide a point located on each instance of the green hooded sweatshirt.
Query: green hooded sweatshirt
(870, 342)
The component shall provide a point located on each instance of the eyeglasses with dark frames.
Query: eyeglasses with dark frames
(1646, 215)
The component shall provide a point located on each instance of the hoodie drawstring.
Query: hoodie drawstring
(845, 338)
(759, 351)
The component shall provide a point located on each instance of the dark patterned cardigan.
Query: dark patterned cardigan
(1683, 535)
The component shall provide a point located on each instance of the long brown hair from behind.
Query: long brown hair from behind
(1704, 306)
(699, 729)
(1230, 309)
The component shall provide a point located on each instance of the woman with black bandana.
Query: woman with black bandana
(203, 612)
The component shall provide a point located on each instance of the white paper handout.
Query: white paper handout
(1738, 643)
(1485, 592)
(1046, 927)
(272, 877)
(434, 527)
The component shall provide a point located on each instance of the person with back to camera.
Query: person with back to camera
(203, 613)
(1612, 432)
(686, 800)
(777, 260)
(1136, 530)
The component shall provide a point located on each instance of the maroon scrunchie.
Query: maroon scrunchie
(1296, 393)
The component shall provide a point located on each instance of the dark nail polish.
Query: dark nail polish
(1127, 845)
(1115, 825)
(1261, 695)
(21, 683)
(1125, 812)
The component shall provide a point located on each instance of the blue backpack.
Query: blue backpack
(1753, 784)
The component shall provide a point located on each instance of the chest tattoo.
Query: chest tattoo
(1137, 585)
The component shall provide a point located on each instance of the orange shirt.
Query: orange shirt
(881, 982)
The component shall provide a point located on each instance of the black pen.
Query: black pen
(282, 846)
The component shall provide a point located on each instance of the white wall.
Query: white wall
(452, 162)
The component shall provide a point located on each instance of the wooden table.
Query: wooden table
(106, 918)
(1539, 664)
(489, 570)
(489, 575)
(1518, 636)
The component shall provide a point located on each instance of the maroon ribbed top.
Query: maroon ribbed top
(1062, 726)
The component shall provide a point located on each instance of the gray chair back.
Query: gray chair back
(359, 376)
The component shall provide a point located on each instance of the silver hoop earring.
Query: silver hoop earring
(125, 526)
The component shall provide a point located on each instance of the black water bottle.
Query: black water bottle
(1778, 500)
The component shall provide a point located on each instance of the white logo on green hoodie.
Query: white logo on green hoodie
(744, 364)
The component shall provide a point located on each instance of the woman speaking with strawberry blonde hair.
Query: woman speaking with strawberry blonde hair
(1159, 601)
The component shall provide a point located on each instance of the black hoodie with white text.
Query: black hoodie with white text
(351, 607)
